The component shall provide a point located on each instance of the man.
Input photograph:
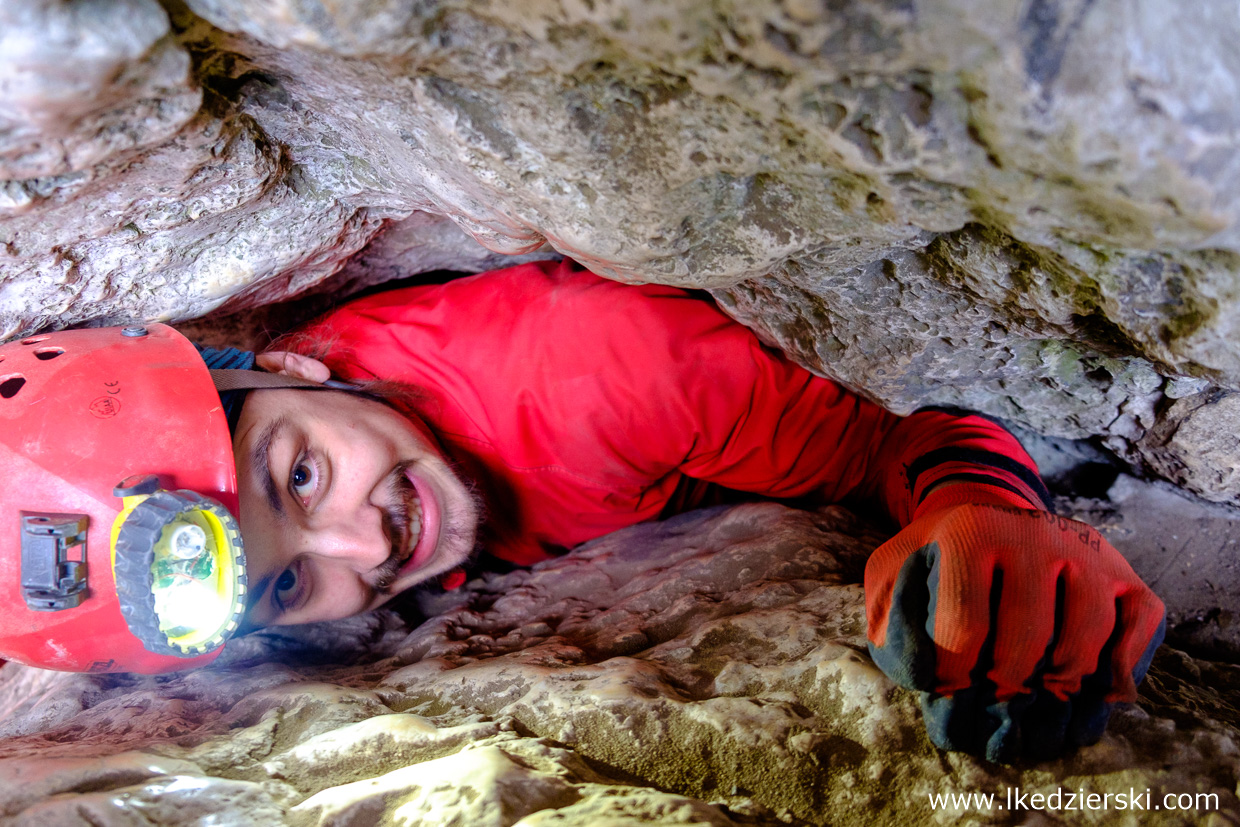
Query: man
(563, 406)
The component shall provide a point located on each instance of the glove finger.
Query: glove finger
(1045, 726)
(1024, 629)
(1090, 708)
(960, 722)
(1007, 743)
(964, 595)
(1093, 704)
(1142, 624)
(1035, 725)
(1147, 657)
(1030, 721)
(907, 652)
(968, 719)
(973, 721)
(1085, 623)
(1090, 715)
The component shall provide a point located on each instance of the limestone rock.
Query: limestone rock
(1197, 445)
(423, 243)
(707, 670)
(1027, 207)
(81, 83)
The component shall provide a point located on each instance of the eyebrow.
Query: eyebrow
(260, 467)
(260, 463)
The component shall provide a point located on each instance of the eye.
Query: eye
(285, 586)
(303, 479)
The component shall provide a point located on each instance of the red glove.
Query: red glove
(1021, 627)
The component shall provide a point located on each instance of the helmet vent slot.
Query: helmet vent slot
(34, 340)
(46, 353)
(11, 384)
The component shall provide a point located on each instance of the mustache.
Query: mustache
(395, 522)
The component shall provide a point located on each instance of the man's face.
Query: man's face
(344, 503)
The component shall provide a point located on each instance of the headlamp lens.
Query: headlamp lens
(183, 604)
(180, 572)
(190, 597)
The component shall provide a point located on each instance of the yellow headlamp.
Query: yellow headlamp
(179, 567)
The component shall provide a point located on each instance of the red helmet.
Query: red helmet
(119, 551)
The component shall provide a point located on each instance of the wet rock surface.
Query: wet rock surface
(706, 670)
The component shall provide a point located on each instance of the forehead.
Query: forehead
(325, 413)
(300, 405)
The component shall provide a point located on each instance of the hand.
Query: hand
(1020, 628)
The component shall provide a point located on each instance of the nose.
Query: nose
(360, 545)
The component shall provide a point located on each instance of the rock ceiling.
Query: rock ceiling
(1026, 208)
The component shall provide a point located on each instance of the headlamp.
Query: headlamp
(179, 567)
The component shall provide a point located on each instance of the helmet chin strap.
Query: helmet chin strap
(230, 379)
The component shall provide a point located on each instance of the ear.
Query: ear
(293, 364)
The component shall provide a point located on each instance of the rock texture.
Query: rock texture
(1186, 552)
(83, 83)
(1027, 207)
(707, 670)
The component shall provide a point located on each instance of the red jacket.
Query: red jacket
(580, 405)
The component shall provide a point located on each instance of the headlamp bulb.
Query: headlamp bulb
(187, 541)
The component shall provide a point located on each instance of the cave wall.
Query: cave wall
(1025, 207)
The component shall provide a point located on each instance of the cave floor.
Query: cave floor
(706, 670)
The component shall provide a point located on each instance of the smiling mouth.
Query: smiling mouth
(413, 525)
(403, 524)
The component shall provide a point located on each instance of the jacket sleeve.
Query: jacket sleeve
(768, 426)
(621, 390)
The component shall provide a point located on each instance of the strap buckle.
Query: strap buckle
(51, 579)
